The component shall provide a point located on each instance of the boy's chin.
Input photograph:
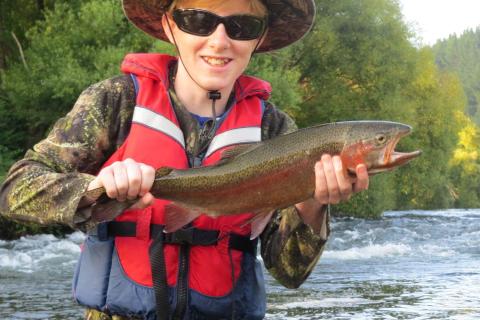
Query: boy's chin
(217, 85)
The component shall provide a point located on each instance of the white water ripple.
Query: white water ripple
(369, 252)
(326, 302)
(32, 253)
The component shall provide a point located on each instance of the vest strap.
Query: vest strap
(190, 236)
(159, 278)
(156, 121)
(233, 137)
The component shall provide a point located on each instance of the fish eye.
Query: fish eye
(381, 138)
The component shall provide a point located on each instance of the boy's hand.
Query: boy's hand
(332, 185)
(127, 179)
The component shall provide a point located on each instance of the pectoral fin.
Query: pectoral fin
(176, 217)
(259, 222)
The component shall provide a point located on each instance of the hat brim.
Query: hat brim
(289, 20)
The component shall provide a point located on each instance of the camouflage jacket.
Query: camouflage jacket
(48, 183)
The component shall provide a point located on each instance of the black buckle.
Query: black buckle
(181, 236)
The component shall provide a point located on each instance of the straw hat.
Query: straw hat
(289, 20)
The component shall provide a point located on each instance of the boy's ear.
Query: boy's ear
(168, 25)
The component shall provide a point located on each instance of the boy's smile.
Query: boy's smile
(216, 61)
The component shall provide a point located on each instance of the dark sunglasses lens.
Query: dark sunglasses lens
(204, 23)
(200, 23)
(244, 27)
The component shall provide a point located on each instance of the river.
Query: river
(407, 265)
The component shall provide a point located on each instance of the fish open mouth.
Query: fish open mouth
(392, 158)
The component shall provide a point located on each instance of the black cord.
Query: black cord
(214, 95)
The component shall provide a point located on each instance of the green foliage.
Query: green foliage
(10, 137)
(75, 45)
(275, 68)
(371, 204)
(7, 158)
(465, 166)
(356, 58)
(461, 55)
(14, 23)
(438, 97)
(10, 230)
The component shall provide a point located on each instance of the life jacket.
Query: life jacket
(221, 277)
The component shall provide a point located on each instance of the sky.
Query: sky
(437, 19)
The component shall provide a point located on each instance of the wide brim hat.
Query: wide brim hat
(288, 20)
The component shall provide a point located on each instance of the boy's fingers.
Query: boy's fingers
(331, 178)
(344, 182)
(321, 191)
(144, 201)
(121, 180)
(108, 182)
(148, 177)
(362, 178)
(134, 175)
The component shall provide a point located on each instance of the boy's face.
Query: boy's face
(214, 61)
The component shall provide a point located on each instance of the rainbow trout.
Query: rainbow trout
(268, 175)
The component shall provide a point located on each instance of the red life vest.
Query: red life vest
(157, 140)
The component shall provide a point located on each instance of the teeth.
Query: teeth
(216, 61)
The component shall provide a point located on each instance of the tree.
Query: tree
(438, 97)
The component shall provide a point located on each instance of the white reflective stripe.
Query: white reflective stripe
(158, 122)
(235, 136)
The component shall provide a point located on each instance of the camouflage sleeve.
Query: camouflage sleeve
(48, 183)
(290, 249)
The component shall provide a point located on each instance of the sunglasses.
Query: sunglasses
(203, 23)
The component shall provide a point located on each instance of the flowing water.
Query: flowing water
(407, 265)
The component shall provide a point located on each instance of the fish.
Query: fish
(266, 176)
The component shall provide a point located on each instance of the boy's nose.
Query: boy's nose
(219, 39)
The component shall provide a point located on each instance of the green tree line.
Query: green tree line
(461, 55)
(357, 63)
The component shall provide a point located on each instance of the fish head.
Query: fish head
(373, 144)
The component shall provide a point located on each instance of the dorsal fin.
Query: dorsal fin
(163, 171)
(237, 150)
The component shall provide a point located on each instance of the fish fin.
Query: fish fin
(163, 171)
(107, 209)
(237, 150)
(95, 194)
(259, 222)
(177, 216)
